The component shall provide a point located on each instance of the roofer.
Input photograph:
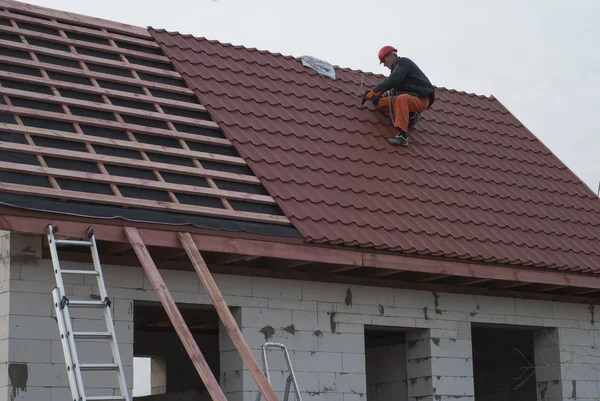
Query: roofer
(409, 90)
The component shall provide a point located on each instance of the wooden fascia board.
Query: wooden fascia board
(166, 236)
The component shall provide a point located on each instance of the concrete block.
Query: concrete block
(355, 397)
(442, 347)
(580, 389)
(318, 361)
(61, 393)
(346, 342)
(323, 292)
(486, 318)
(326, 307)
(464, 331)
(533, 308)
(304, 320)
(420, 387)
(549, 390)
(4, 324)
(440, 366)
(414, 299)
(349, 328)
(33, 327)
(37, 286)
(356, 309)
(4, 297)
(362, 295)
(576, 337)
(356, 319)
(31, 304)
(123, 310)
(276, 288)
(310, 306)
(561, 310)
(433, 333)
(47, 375)
(353, 363)
(175, 280)
(232, 285)
(496, 305)
(545, 338)
(454, 386)
(233, 300)
(343, 383)
(456, 302)
(448, 315)
(25, 245)
(31, 393)
(405, 312)
(3, 375)
(561, 323)
(436, 324)
(262, 317)
(28, 351)
(525, 321)
(392, 321)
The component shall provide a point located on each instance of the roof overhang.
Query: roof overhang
(255, 255)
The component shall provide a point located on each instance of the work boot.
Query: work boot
(401, 139)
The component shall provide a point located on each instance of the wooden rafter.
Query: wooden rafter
(175, 316)
(226, 317)
(78, 18)
(98, 75)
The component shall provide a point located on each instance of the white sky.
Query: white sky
(540, 58)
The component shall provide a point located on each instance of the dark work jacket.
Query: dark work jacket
(407, 77)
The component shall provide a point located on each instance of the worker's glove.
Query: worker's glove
(375, 100)
(365, 97)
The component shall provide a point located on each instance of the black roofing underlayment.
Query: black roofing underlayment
(83, 209)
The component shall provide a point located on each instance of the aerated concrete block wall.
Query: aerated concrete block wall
(386, 373)
(321, 323)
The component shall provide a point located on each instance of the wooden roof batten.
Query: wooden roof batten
(153, 95)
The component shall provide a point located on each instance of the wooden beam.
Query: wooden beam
(121, 161)
(133, 182)
(514, 285)
(117, 249)
(174, 315)
(154, 115)
(77, 18)
(97, 75)
(101, 91)
(78, 29)
(434, 278)
(86, 44)
(475, 281)
(226, 317)
(142, 203)
(81, 57)
(579, 293)
(385, 273)
(32, 222)
(344, 269)
(325, 277)
(552, 288)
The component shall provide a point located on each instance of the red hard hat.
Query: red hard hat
(384, 51)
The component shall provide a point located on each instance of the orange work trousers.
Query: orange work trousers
(402, 106)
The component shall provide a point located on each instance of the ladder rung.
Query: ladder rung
(86, 304)
(73, 243)
(106, 398)
(92, 335)
(89, 367)
(90, 272)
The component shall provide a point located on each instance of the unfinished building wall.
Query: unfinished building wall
(4, 311)
(322, 324)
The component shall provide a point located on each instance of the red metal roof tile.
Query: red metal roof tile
(475, 183)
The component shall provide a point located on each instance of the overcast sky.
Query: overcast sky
(540, 58)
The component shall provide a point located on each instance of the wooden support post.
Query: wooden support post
(226, 317)
(179, 324)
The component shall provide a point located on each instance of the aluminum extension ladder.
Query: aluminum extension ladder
(62, 305)
(289, 380)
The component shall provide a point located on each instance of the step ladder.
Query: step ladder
(62, 304)
(289, 380)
